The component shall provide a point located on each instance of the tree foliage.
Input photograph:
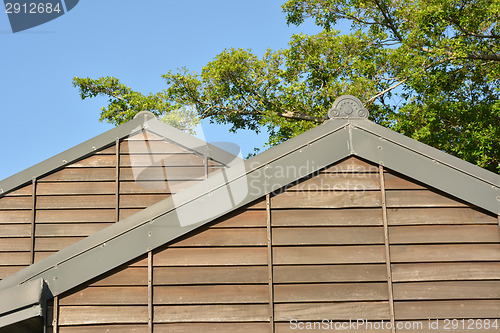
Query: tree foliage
(428, 69)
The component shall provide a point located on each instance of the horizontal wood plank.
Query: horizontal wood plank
(338, 182)
(156, 173)
(69, 229)
(16, 203)
(76, 188)
(463, 215)
(209, 275)
(15, 244)
(22, 191)
(150, 147)
(326, 217)
(330, 292)
(326, 199)
(398, 182)
(75, 215)
(128, 276)
(211, 313)
(460, 309)
(328, 254)
(113, 328)
(241, 218)
(333, 326)
(447, 290)
(14, 258)
(338, 310)
(152, 187)
(446, 271)
(210, 294)
(211, 256)
(328, 235)
(352, 164)
(95, 161)
(6, 271)
(223, 237)
(329, 273)
(164, 159)
(444, 234)
(80, 175)
(449, 326)
(448, 252)
(129, 295)
(140, 200)
(76, 202)
(89, 315)
(54, 243)
(15, 216)
(419, 198)
(212, 328)
(15, 230)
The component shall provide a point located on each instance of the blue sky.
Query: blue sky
(135, 41)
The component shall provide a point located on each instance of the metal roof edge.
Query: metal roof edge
(426, 164)
(144, 120)
(173, 217)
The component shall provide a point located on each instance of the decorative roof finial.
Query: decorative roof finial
(147, 114)
(347, 106)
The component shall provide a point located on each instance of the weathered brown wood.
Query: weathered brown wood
(210, 275)
(448, 252)
(15, 244)
(446, 326)
(241, 218)
(328, 254)
(88, 315)
(338, 182)
(460, 309)
(75, 216)
(15, 230)
(328, 235)
(150, 292)
(55, 314)
(398, 182)
(330, 292)
(149, 146)
(114, 328)
(211, 313)
(333, 217)
(15, 258)
(339, 311)
(54, 243)
(15, 203)
(223, 237)
(144, 135)
(75, 188)
(409, 216)
(140, 200)
(39, 255)
(155, 173)
(326, 199)
(81, 175)
(444, 234)
(330, 273)
(94, 161)
(117, 181)
(142, 160)
(352, 164)
(270, 278)
(69, 230)
(106, 151)
(130, 276)
(152, 187)
(446, 271)
(15, 216)
(210, 294)
(23, 191)
(447, 290)
(211, 256)
(6, 271)
(420, 198)
(212, 328)
(127, 212)
(75, 202)
(387, 248)
(106, 296)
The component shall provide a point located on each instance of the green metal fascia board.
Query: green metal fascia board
(21, 296)
(427, 165)
(7, 323)
(175, 216)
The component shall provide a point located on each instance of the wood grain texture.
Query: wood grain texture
(165, 159)
(150, 147)
(338, 182)
(448, 252)
(328, 254)
(69, 229)
(212, 328)
(6, 271)
(209, 275)
(460, 309)
(43, 244)
(335, 326)
(210, 294)
(15, 230)
(122, 276)
(211, 256)
(22, 191)
(329, 273)
(113, 328)
(420, 198)
(75, 202)
(446, 326)
(444, 234)
(223, 237)
(94, 161)
(327, 217)
(14, 258)
(75, 216)
(328, 235)
(330, 292)
(447, 290)
(140, 200)
(110, 314)
(339, 311)
(126, 295)
(352, 164)
(15, 203)
(15, 216)
(155, 173)
(412, 216)
(241, 218)
(153, 187)
(80, 175)
(211, 313)
(75, 188)
(326, 199)
(15, 244)
(399, 182)
(446, 271)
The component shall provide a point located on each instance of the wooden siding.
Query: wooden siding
(350, 242)
(89, 195)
